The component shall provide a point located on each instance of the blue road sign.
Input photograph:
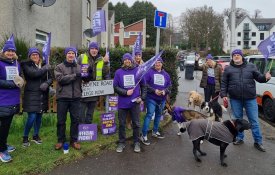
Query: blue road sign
(160, 19)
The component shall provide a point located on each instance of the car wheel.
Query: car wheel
(269, 109)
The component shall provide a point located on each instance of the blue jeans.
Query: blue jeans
(251, 109)
(34, 119)
(152, 107)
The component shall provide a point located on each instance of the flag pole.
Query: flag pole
(107, 45)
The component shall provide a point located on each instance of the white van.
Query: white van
(265, 91)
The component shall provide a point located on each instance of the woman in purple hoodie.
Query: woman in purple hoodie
(130, 95)
(10, 84)
(158, 84)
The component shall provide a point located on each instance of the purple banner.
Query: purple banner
(87, 132)
(99, 22)
(113, 100)
(108, 124)
(138, 45)
(47, 49)
(267, 47)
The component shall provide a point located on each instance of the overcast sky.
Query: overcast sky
(176, 7)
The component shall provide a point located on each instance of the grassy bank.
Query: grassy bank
(42, 158)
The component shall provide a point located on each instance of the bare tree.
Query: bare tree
(257, 14)
(239, 13)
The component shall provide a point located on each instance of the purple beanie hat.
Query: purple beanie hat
(209, 57)
(33, 50)
(93, 45)
(160, 59)
(9, 46)
(68, 49)
(237, 51)
(138, 53)
(127, 56)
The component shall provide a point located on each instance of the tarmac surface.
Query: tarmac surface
(173, 155)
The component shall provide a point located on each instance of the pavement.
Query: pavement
(173, 155)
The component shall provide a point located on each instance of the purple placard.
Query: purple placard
(108, 124)
(87, 132)
(113, 100)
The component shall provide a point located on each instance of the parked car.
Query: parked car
(265, 91)
(224, 61)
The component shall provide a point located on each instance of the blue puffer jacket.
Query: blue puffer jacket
(239, 81)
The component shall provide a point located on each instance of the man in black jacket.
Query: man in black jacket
(239, 82)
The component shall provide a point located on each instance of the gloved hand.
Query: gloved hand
(44, 86)
(18, 81)
(46, 67)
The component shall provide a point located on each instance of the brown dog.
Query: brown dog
(195, 99)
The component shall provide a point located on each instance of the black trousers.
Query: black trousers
(135, 114)
(209, 93)
(5, 123)
(62, 108)
(87, 112)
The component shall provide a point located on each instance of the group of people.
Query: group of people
(238, 83)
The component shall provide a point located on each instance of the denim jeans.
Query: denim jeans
(87, 112)
(134, 113)
(251, 109)
(62, 108)
(34, 119)
(152, 107)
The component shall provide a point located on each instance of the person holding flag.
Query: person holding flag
(94, 67)
(36, 93)
(158, 86)
(130, 95)
(238, 81)
(68, 94)
(10, 84)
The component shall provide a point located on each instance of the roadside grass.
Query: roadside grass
(42, 158)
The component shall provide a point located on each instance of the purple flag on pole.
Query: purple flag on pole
(138, 45)
(143, 69)
(99, 22)
(47, 49)
(267, 47)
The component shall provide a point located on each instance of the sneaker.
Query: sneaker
(137, 147)
(10, 148)
(157, 135)
(259, 147)
(37, 140)
(238, 142)
(5, 156)
(120, 147)
(26, 142)
(144, 140)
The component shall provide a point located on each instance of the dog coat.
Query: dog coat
(208, 129)
(177, 114)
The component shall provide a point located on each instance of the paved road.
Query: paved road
(173, 155)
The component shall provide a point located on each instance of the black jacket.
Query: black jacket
(239, 81)
(34, 99)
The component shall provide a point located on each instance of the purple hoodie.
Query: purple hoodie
(157, 80)
(126, 79)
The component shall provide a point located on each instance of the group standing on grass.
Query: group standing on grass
(152, 89)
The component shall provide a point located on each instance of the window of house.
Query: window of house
(253, 43)
(126, 35)
(261, 36)
(239, 43)
(40, 38)
(239, 33)
(88, 9)
(253, 33)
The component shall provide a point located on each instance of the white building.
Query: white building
(65, 19)
(249, 33)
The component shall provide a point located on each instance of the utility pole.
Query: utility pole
(233, 26)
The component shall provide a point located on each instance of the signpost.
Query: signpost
(159, 22)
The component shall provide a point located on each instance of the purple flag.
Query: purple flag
(267, 47)
(47, 49)
(138, 45)
(99, 22)
(143, 69)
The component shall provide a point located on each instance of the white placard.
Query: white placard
(128, 81)
(159, 79)
(97, 88)
(11, 72)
